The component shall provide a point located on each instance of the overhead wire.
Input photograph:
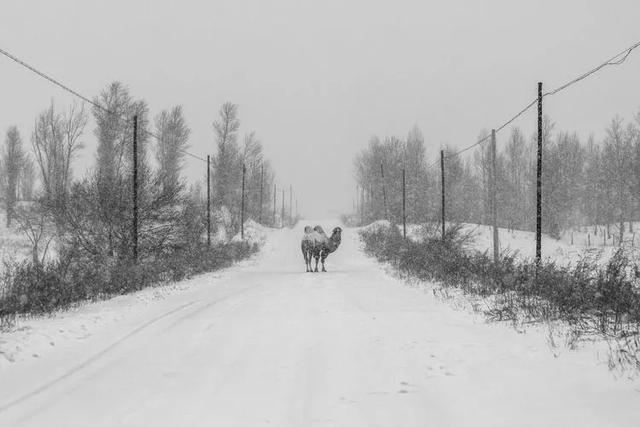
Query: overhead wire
(617, 59)
(611, 61)
(86, 99)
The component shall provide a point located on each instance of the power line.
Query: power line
(52, 80)
(617, 59)
(86, 99)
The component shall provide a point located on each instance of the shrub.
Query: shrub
(38, 288)
(603, 301)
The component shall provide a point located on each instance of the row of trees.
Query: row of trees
(585, 183)
(92, 214)
(228, 163)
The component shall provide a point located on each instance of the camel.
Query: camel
(316, 244)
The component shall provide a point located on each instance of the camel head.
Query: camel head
(336, 237)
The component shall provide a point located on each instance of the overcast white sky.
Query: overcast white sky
(316, 80)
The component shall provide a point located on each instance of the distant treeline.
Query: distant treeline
(584, 183)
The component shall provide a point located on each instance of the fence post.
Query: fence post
(244, 172)
(494, 204)
(261, 192)
(539, 181)
(404, 206)
(135, 188)
(442, 188)
(208, 200)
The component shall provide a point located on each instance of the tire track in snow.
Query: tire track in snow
(90, 360)
(204, 307)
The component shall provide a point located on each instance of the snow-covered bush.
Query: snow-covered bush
(592, 300)
(222, 224)
(254, 233)
(44, 287)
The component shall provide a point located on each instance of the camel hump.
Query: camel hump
(318, 229)
(308, 229)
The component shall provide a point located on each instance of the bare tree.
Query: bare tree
(111, 181)
(12, 161)
(27, 179)
(259, 173)
(56, 141)
(516, 169)
(617, 158)
(173, 135)
(225, 160)
(34, 224)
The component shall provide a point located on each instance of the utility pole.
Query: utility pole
(208, 200)
(135, 188)
(494, 204)
(261, 192)
(404, 206)
(290, 205)
(372, 204)
(282, 211)
(384, 193)
(244, 172)
(275, 190)
(539, 181)
(361, 191)
(426, 198)
(442, 189)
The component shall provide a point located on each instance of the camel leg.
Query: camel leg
(306, 263)
(317, 257)
(323, 258)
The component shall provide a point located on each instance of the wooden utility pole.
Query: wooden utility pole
(208, 200)
(261, 192)
(539, 181)
(244, 172)
(135, 188)
(372, 204)
(384, 193)
(494, 204)
(282, 211)
(442, 190)
(404, 206)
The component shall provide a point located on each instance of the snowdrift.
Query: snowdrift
(254, 233)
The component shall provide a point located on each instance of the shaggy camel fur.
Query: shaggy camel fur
(316, 244)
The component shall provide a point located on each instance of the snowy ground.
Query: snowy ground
(264, 343)
(522, 244)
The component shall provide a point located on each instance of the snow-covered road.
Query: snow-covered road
(267, 344)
